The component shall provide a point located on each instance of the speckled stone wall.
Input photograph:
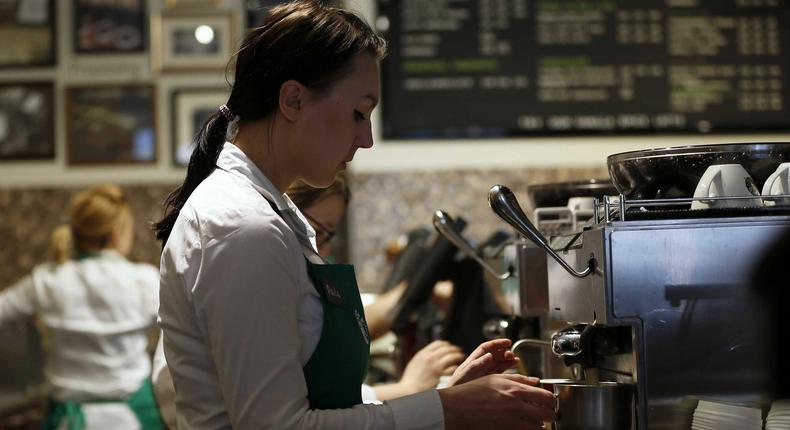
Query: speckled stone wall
(28, 215)
(384, 206)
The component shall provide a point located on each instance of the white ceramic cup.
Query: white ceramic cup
(581, 203)
(776, 184)
(725, 180)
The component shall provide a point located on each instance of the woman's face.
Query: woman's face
(325, 216)
(337, 123)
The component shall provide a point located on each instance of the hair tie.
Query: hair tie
(225, 111)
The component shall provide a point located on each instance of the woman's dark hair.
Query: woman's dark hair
(304, 40)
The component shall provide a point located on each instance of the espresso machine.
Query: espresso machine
(656, 295)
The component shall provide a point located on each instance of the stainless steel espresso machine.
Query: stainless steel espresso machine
(659, 295)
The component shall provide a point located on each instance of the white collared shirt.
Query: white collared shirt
(241, 318)
(97, 311)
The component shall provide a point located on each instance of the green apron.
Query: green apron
(142, 404)
(336, 370)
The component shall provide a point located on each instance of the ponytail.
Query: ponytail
(208, 144)
(61, 244)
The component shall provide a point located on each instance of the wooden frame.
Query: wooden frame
(193, 3)
(27, 121)
(28, 29)
(178, 44)
(111, 124)
(105, 27)
(255, 10)
(190, 109)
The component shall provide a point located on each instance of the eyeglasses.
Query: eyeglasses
(323, 234)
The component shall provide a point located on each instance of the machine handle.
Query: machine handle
(443, 224)
(505, 205)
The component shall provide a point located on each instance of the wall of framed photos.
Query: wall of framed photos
(96, 90)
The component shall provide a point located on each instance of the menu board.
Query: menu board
(497, 68)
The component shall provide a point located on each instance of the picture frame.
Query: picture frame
(256, 10)
(111, 124)
(191, 107)
(192, 41)
(193, 3)
(27, 121)
(31, 25)
(102, 27)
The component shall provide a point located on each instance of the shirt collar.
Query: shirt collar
(234, 161)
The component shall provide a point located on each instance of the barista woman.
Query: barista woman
(260, 333)
(96, 307)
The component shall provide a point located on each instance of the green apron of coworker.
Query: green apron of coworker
(142, 404)
(335, 372)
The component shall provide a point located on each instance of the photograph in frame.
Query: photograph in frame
(191, 108)
(193, 3)
(110, 124)
(109, 27)
(256, 10)
(26, 121)
(184, 42)
(30, 24)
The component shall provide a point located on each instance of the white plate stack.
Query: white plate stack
(721, 416)
(779, 416)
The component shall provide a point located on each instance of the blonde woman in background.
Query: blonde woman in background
(96, 307)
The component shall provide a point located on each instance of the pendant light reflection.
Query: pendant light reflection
(204, 34)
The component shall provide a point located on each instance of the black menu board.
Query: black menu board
(496, 68)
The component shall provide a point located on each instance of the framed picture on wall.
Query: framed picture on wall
(193, 3)
(191, 108)
(187, 42)
(27, 32)
(111, 124)
(26, 121)
(255, 10)
(102, 26)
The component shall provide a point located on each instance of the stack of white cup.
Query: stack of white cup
(732, 180)
(779, 416)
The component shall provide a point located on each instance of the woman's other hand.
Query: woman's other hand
(496, 402)
(428, 364)
(422, 373)
(490, 357)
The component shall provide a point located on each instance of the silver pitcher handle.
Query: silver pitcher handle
(443, 222)
(505, 205)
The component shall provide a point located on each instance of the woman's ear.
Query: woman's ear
(292, 94)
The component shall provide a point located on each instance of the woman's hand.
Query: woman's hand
(428, 364)
(423, 370)
(490, 357)
(497, 402)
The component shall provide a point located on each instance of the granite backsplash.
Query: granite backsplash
(386, 205)
(383, 206)
(28, 216)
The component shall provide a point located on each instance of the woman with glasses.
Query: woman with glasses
(324, 210)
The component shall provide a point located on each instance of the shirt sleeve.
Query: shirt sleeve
(18, 301)
(164, 390)
(250, 309)
(369, 395)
